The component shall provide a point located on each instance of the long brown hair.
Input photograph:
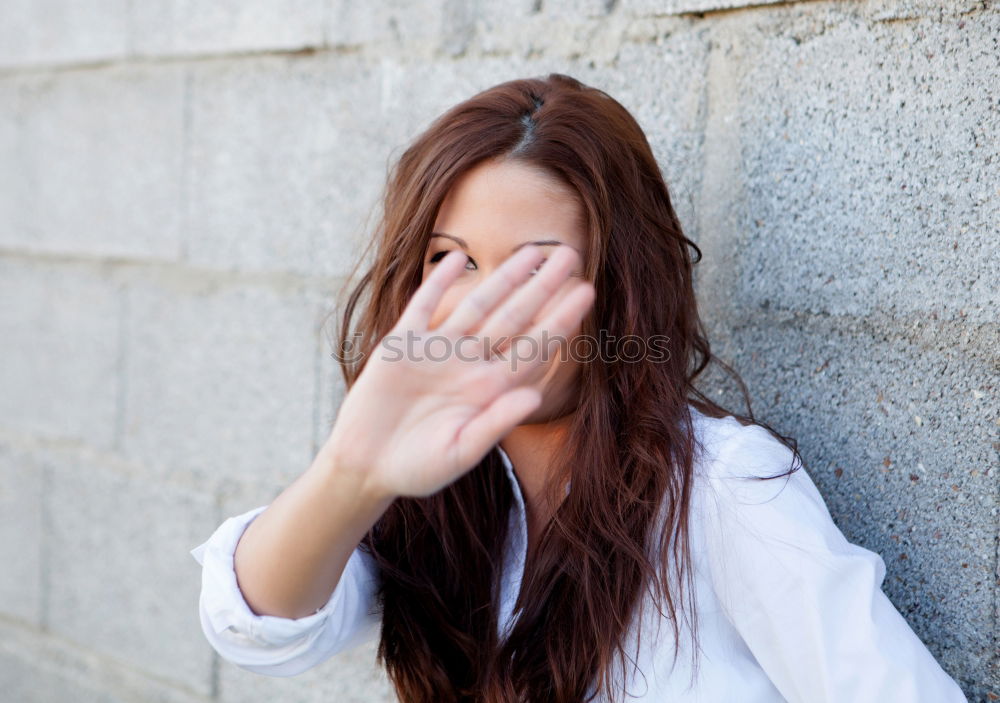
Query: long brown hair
(630, 447)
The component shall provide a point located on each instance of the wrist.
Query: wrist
(358, 480)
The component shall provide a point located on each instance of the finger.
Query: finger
(520, 308)
(492, 424)
(424, 301)
(487, 295)
(542, 342)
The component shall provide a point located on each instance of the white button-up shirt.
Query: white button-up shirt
(787, 609)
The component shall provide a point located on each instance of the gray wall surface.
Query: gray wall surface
(184, 186)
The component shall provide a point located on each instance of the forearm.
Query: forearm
(291, 557)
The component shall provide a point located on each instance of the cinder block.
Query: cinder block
(39, 668)
(678, 7)
(389, 24)
(287, 160)
(332, 389)
(414, 94)
(891, 10)
(220, 379)
(662, 84)
(21, 534)
(93, 162)
(185, 27)
(851, 191)
(60, 326)
(62, 31)
(125, 585)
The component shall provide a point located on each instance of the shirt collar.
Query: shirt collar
(516, 549)
(515, 552)
(515, 486)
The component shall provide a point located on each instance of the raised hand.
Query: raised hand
(412, 424)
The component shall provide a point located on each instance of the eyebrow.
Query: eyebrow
(540, 242)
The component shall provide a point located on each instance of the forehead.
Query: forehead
(507, 202)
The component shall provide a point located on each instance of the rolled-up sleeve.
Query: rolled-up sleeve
(276, 646)
(807, 602)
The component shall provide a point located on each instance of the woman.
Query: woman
(516, 525)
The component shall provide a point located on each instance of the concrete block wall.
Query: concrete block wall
(184, 186)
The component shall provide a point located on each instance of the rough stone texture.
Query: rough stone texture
(888, 10)
(270, 186)
(63, 31)
(185, 186)
(329, 379)
(367, 24)
(856, 145)
(22, 536)
(61, 337)
(662, 84)
(680, 7)
(39, 668)
(225, 26)
(219, 383)
(93, 162)
(120, 580)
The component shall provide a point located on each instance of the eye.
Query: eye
(441, 254)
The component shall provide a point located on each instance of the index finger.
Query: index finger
(423, 302)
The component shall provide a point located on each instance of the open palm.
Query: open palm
(414, 422)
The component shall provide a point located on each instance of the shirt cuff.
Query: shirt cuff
(222, 603)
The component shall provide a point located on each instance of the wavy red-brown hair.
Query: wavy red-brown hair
(630, 448)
